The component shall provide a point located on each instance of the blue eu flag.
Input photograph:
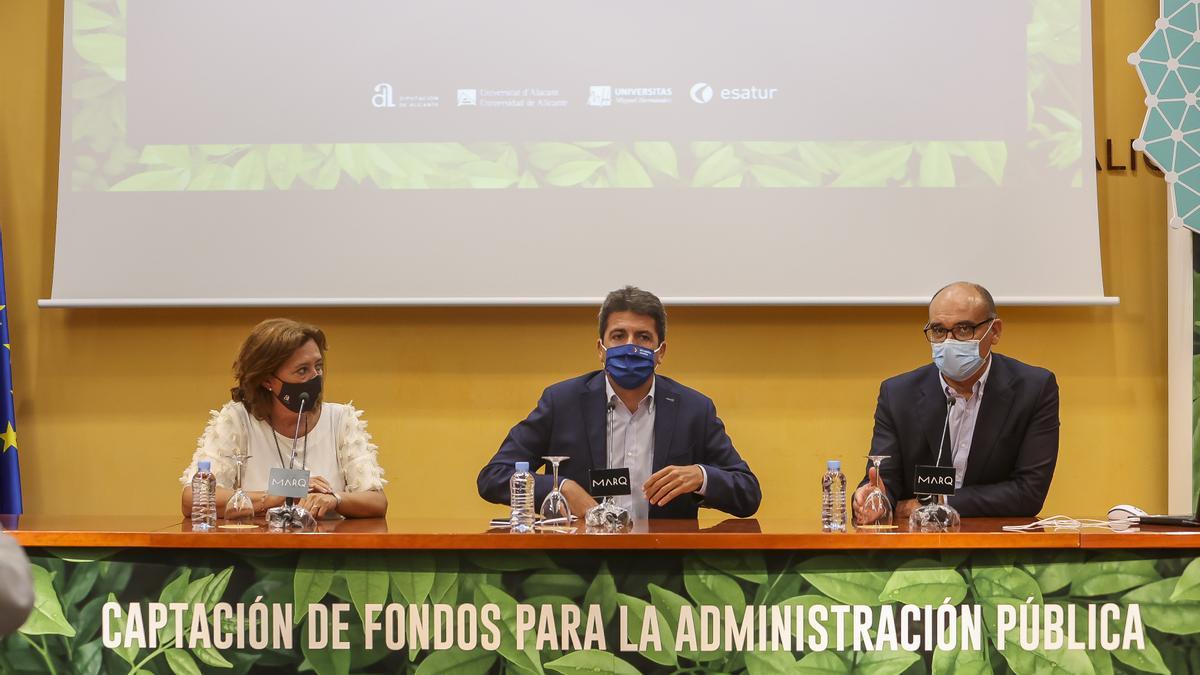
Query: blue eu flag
(10, 470)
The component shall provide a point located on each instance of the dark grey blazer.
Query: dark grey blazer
(1013, 451)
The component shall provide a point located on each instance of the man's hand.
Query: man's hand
(318, 503)
(862, 513)
(319, 484)
(905, 508)
(577, 498)
(670, 482)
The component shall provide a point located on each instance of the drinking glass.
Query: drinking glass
(937, 516)
(876, 509)
(555, 506)
(239, 510)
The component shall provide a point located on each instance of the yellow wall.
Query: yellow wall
(109, 402)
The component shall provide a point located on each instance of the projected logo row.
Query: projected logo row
(702, 92)
(599, 96)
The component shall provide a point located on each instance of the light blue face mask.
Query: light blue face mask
(959, 359)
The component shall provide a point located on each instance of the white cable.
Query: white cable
(1061, 522)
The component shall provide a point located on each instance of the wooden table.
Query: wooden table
(329, 580)
(463, 534)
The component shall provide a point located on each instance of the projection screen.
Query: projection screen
(328, 152)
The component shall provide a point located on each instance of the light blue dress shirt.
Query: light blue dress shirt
(631, 446)
(963, 416)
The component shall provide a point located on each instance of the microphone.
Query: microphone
(296, 436)
(289, 501)
(608, 441)
(945, 427)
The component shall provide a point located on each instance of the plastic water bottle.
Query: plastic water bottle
(520, 489)
(204, 497)
(833, 498)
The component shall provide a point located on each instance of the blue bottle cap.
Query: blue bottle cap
(834, 465)
(522, 466)
(204, 465)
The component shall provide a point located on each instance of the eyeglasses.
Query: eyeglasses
(960, 331)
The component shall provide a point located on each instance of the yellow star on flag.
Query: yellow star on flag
(9, 437)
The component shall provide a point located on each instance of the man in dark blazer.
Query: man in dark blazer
(1000, 433)
(667, 435)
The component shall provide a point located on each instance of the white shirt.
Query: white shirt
(270, 449)
(339, 449)
(631, 446)
(963, 416)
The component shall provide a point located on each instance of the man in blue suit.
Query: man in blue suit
(994, 419)
(626, 416)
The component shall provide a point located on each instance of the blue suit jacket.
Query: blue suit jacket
(570, 419)
(1013, 450)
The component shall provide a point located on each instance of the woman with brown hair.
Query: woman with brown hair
(277, 409)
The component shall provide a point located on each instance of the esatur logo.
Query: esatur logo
(749, 93)
(701, 92)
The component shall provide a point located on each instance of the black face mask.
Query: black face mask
(294, 395)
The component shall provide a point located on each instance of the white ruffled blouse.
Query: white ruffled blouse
(352, 467)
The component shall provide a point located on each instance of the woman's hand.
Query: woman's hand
(263, 501)
(363, 504)
(319, 484)
(319, 503)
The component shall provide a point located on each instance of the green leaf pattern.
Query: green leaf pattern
(105, 161)
(72, 588)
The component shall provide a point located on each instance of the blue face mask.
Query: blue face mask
(958, 359)
(629, 365)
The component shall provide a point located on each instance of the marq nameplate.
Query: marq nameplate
(608, 482)
(933, 480)
(288, 482)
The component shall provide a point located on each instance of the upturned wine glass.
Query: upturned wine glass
(876, 510)
(937, 516)
(555, 506)
(239, 510)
